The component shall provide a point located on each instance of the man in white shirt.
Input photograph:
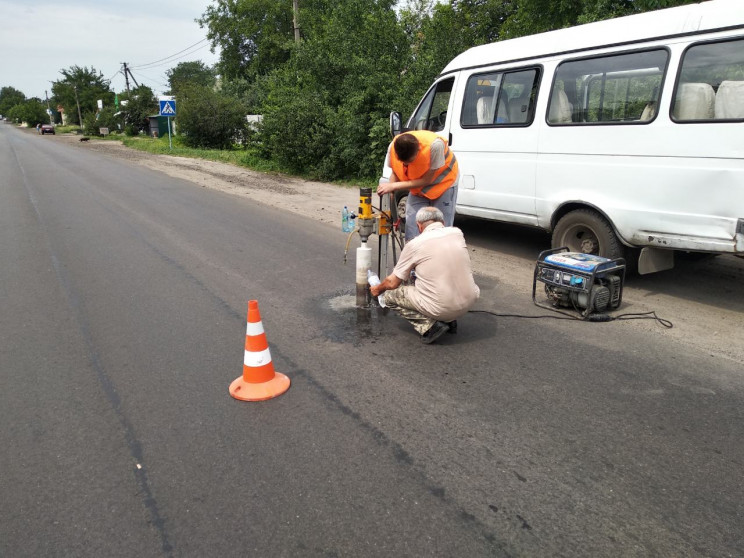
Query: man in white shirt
(444, 289)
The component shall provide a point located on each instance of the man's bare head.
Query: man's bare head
(406, 147)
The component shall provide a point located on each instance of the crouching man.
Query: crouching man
(444, 288)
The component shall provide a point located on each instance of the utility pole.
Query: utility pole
(80, 116)
(295, 11)
(126, 75)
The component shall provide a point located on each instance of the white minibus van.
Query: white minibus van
(624, 138)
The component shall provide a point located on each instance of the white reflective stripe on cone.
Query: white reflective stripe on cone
(254, 359)
(254, 328)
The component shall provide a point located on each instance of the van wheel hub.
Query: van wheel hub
(589, 245)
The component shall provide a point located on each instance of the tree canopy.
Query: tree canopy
(254, 36)
(31, 111)
(84, 86)
(189, 74)
(10, 97)
(536, 16)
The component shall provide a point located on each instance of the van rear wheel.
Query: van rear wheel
(587, 232)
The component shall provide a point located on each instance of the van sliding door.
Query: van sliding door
(495, 142)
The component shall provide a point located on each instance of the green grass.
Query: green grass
(73, 129)
(238, 156)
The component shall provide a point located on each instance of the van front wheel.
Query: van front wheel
(587, 232)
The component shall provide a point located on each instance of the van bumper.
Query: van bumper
(733, 244)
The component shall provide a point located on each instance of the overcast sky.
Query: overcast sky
(38, 38)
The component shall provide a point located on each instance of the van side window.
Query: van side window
(500, 98)
(711, 83)
(618, 89)
(432, 112)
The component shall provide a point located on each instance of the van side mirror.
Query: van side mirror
(395, 124)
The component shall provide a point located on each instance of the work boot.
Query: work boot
(452, 326)
(434, 333)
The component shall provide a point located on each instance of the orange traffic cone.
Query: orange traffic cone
(259, 381)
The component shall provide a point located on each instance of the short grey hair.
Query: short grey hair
(426, 214)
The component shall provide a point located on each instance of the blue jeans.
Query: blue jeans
(445, 203)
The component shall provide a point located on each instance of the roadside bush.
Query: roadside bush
(32, 112)
(295, 131)
(211, 119)
(140, 104)
(105, 118)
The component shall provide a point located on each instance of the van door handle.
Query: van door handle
(450, 138)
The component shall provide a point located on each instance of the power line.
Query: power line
(115, 74)
(173, 59)
(164, 60)
(151, 79)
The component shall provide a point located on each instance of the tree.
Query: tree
(31, 111)
(10, 97)
(428, 53)
(254, 36)
(480, 21)
(84, 86)
(189, 74)
(137, 106)
(324, 110)
(210, 119)
(537, 16)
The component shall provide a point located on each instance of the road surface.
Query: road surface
(124, 304)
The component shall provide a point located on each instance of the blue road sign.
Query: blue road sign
(168, 108)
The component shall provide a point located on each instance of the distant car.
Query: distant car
(46, 129)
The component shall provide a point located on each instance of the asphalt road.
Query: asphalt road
(123, 296)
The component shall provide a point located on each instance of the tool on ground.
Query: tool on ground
(584, 283)
(259, 380)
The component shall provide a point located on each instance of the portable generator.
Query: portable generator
(584, 283)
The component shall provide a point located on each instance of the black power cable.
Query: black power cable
(591, 318)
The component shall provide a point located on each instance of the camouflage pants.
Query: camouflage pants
(398, 299)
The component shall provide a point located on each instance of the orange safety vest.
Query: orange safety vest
(443, 179)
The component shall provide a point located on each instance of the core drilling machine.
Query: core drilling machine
(369, 223)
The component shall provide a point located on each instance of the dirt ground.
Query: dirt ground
(705, 302)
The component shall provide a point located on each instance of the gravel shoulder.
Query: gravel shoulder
(704, 300)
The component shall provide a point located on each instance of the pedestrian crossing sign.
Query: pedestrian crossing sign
(168, 107)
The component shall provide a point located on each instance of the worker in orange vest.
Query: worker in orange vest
(423, 164)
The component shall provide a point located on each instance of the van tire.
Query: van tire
(401, 202)
(586, 231)
(400, 205)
